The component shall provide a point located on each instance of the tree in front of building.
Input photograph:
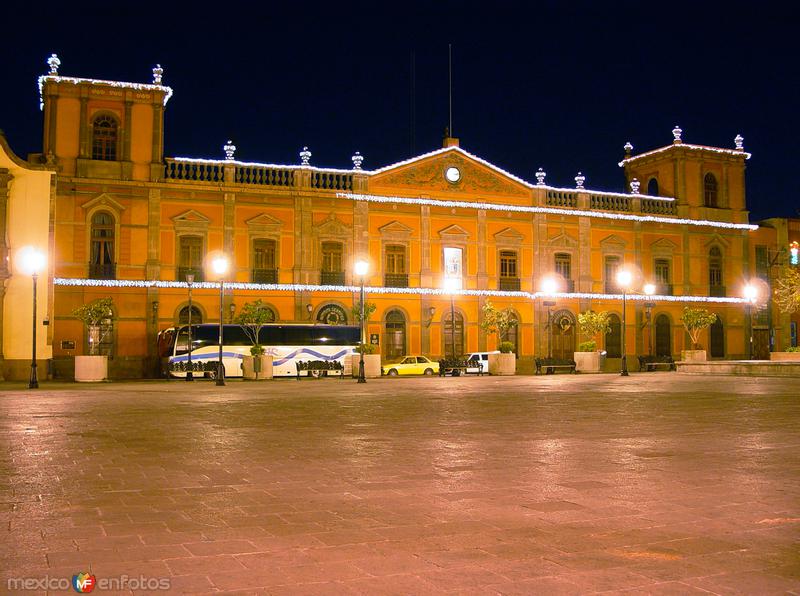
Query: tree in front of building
(694, 321)
(95, 315)
(251, 318)
(591, 325)
(499, 321)
(787, 289)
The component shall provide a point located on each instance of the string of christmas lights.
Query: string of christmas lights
(551, 210)
(737, 152)
(378, 290)
(122, 85)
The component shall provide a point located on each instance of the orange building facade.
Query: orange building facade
(131, 224)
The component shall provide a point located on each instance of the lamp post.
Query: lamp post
(649, 290)
(32, 261)
(220, 267)
(751, 294)
(624, 278)
(451, 284)
(189, 282)
(361, 270)
(549, 287)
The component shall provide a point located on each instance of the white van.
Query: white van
(483, 358)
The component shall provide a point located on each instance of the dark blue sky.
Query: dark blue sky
(557, 85)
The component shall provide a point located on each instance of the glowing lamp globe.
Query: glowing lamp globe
(549, 285)
(30, 260)
(219, 265)
(624, 278)
(451, 284)
(751, 293)
(649, 289)
(361, 268)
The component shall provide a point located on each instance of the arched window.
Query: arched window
(183, 316)
(395, 334)
(104, 138)
(614, 337)
(562, 334)
(663, 336)
(715, 282)
(652, 187)
(717, 339)
(101, 257)
(710, 190)
(453, 341)
(512, 336)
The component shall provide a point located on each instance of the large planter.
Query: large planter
(91, 369)
(693, 355)
(589, 362)
(502, 364)
(372, 365)
(257, 368)
(785, 356)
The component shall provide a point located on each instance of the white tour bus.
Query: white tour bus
(286, 344)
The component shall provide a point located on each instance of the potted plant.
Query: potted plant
(372, 361)
(500, 322)
(591, 324)
(372, 357)
(96, 315)
(694, 321)
(251, 318)
(790, 354)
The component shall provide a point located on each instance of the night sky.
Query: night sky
(556, 85)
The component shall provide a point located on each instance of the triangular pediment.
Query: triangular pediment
(332, 227)
(104, 200)
(191, 216)
(717, 239)
(563, 241)
(429, 173)
(453, 231)
(613, 242)
(396, 229)
(663, 245)
(264, 222)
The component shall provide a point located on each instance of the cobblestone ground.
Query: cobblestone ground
(654, 484)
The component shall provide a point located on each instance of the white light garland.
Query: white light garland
(76, 81)
(552, 210)
(735, 152)
(440, 292)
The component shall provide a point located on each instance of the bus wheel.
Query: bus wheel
(428, 372)
(392, 372)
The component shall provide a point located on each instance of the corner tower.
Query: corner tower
(103, 129)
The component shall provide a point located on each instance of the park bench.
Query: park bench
(653, 362)
(319, 368)
(551, 365)
(456, 366)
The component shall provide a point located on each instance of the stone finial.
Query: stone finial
(229, 148)
(739, 140)
(579, 180)
(628, 148)
(158, 72)
(676, 133)
(305, 157)
(53, 62)
(635, 184)
(358, 159)
(540, 175)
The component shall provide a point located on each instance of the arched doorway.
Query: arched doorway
(395, 334)
(453, 342)
(332, 314)
(614, 337)
(663, 336)
(563, 335)
(183, 316)
(717, 339)
(512, 335)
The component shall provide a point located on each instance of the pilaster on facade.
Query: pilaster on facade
(482, 274)
(425, 274)
(228, 223)
(361, 233)
(585, 279)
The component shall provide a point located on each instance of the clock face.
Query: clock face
(452, 174)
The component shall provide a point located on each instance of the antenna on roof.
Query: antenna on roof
(450, 85)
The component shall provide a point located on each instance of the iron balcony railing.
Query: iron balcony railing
(509, 284)
(184, 271)
(717, 291)
(331, 278)
(395, 280)
(264, 276)
(102, 271)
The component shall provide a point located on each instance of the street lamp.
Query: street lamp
(624, 279)
(549, 287)
(451, 284)
(189, 282)
(220, 267)
(361, 270)
(32, 261)
(751, 295)
(649, 290)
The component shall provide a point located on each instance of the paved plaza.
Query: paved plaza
(658, 483)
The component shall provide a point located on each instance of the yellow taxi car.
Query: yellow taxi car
(411, 365)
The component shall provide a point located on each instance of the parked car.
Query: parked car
(411, 365)
(483, 358)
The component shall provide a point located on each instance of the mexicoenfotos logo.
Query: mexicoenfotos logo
(84, 582)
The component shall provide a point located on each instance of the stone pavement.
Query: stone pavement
(653, 484)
